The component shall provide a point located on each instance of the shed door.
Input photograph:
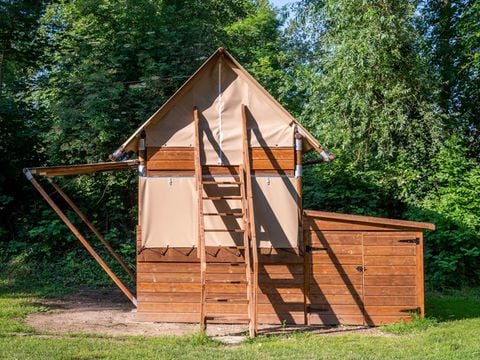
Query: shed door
(393, 281)
(335, 294)
(360, 278)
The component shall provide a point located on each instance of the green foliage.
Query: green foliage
(375, 99)
(453, 205)
(370, 88)
(453, 304)
(451, 339)
(416, 325)
(382, 83)
(452, 31)
(341, 187)
(19, 130)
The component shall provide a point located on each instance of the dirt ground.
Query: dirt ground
(105, 311)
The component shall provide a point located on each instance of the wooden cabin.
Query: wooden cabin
(222, 236)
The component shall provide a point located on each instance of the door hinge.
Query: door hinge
(410, 241)
(416, 310)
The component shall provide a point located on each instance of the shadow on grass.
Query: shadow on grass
(450, 305)
(453, 305)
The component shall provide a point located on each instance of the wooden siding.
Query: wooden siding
(180, 161)
(363, 278)
(323, 285)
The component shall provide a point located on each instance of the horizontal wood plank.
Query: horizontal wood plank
(391, 290)
(405, 301)
(337, 319)
(390, 250)
(390, 270)
(165, 158)
(328, 238)
(337, 279)
(326, 269)
(377, 320)
(377, 280)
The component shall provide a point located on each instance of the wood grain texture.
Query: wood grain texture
(323, 287)
(169, 158)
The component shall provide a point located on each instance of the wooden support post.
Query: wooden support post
(92, 228)
(298, 185)
(200, 224)
(246, 242)
(302, 245)
(253, 328)
(142, 171)
(80, 237)
(420, 276)
(307, 269)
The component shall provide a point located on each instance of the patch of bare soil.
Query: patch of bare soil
(106, 311)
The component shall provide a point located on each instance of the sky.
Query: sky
(279, 3)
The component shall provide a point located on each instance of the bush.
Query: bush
(452, 252)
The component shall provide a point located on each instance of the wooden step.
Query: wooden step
(209, 182)
(227, 263)
(226, 197)
(228, 318)
(239, 214)
(218, 165)
(226, 300)
(223, 281)
(225, 230)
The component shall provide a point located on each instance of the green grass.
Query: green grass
(451, 331)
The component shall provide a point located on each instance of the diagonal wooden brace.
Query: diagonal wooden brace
(80, 237)
(92, 228)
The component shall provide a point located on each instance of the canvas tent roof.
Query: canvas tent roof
(183, 97)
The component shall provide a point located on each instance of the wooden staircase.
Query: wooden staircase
(240, 182)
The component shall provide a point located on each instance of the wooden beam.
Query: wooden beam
(298, 184)
(253, 328)
(100, 237)
(315, 214)
(200, 224)
(246, 245)
(80, 237)
(83, 168)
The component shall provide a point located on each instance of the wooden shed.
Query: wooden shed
(222, 236)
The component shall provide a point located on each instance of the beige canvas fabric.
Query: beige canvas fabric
(219, 93)
(258, 99)
(169, 213)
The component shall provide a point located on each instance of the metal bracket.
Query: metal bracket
(28, 174)
(298, 171)
(416, 310)
(325, 156)
(298, 143)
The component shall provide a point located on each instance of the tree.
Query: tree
(106, 67)
(370, 95)
(373, 94)
(452, 30)
(18, 132)
(452, 251)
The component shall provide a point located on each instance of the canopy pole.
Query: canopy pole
(79, 236)
(92, 228)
